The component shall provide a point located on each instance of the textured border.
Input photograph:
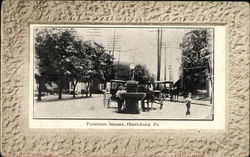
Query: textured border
(18, 139)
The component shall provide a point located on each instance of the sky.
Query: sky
(139, 46)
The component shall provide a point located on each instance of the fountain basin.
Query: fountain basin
(133, 95)
(131, 101)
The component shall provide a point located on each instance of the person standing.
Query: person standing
(188, 104)
(149, 96)
(150, 87)
(106, 97)
(143, 89)
(120, 101)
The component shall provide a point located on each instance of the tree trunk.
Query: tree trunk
(39, 97)
(60, 89)
(87, 92)
(105, 85)
(74, 89)
(74, 93)
(90, 88)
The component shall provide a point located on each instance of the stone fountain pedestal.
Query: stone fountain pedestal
(132, 97)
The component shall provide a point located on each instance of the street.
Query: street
(93, 108)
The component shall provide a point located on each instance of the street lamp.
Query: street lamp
(132, 67)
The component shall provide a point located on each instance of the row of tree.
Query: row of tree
(61, 56)
(196, 60)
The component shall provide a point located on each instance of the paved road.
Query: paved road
(93, 107)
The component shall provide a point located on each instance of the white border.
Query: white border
(219, 92)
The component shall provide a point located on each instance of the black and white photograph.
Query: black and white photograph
(112, 72)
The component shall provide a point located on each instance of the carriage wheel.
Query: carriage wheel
(164, 96)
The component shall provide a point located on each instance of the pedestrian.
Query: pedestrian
(120, 101)
(188, 104)
(149, 95)
(150, 87)
(142, 89)
(106, 97)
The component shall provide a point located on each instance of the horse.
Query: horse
(148, 98)
(174, 94)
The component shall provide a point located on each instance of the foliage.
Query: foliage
(142, 74)
(62, 56)
(53, 48)
(196, 60)
(101, 63)
(195, 47)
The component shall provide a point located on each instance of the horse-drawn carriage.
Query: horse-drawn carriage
(157, 98)
(153, 95)
(162, 91)
(168, 89)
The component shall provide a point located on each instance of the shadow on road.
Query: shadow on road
(195, 103)
(63, 99)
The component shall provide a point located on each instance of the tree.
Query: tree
(142, 74)
(44, 47)
(81, 64)
(101, 67)
(53, 48)
(107, 68)
(61, 56)
(196, 63)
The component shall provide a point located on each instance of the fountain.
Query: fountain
(132, 97)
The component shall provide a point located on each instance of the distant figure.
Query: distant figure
(188, 104)
(142, 88)
(120, 101)
(174, 93)
(106, 97)
(150, 87)
(149, 95)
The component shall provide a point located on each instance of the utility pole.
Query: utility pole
(114, 44)
(159, 47)
(165, 61)
(119, 58)
(170, 65)
(159, 50)
(113, 50)
(158, 54)
(170, 72)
